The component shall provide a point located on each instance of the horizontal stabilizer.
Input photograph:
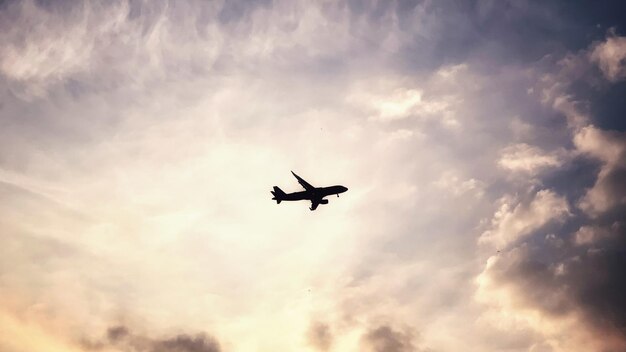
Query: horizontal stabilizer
(278, 194)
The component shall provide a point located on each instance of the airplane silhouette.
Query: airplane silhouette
(314, 194)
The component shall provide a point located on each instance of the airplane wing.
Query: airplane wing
(314, 205)
(304, 184)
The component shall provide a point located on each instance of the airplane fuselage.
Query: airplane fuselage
(316, 194)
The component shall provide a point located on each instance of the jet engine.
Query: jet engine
(324, 201)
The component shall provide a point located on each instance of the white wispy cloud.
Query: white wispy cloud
(529, 159)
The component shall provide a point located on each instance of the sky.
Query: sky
(483, 144)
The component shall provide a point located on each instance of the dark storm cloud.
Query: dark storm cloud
(573, 278)
(116, 333)
(185, 343)
(120, 337)
(320, 336)
(384, 338)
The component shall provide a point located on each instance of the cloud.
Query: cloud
(320, 336)
(526, 295)
(458, 187)
(610, 56)
(529, 159)
(564, 287)
(57, 44)
(609, 189)
(516, 220)
(122, 339)
(139, 140)
(591, 235)
(390, 100)
(562, 281)
(385, 339)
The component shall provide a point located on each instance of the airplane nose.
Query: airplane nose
(345, 189)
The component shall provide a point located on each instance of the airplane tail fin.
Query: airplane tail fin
(278, 194)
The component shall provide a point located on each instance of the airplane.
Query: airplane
(314, 194)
